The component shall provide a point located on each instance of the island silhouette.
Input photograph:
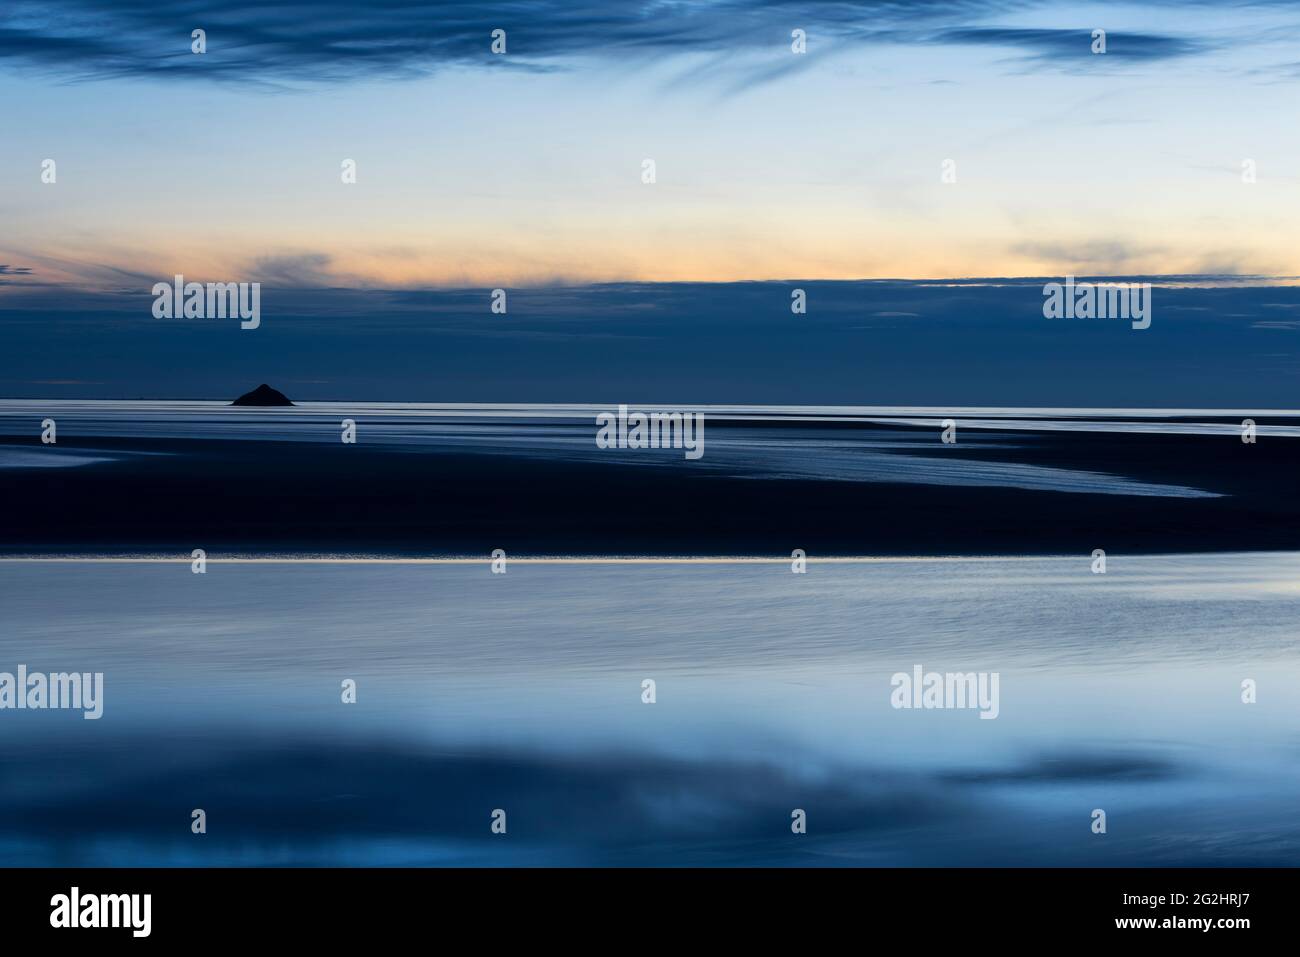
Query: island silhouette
(263, 395)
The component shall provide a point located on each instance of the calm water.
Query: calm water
(523, 692)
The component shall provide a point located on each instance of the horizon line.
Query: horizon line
(826, 410)
(1176, 278)
(604, 559)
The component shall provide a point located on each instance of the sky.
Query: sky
(524, 170)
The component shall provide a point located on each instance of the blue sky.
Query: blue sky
(524, 171)
(526, 168)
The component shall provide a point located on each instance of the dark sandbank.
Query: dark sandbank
(328, 498)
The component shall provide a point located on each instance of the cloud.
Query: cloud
(1064, 47)
(7, 270)
(297, 42)
(1097, 256)
(1067, 767)
(310, 270)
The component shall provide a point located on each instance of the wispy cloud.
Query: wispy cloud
(310, 270)
(1066, 47)
(295, 42)
(1096, 256)
(7, 270)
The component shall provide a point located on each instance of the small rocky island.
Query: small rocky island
(263, 396)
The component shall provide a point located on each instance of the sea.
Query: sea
(335, 710)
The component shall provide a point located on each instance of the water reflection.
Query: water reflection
(523, 692)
